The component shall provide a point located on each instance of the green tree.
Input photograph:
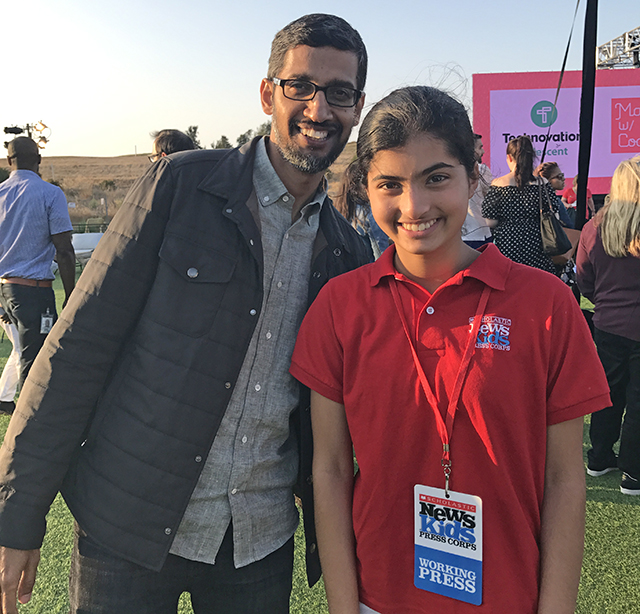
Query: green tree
(4, 173)
(107, 185)
(192, 133)
(264, 129)
(222, 143)
(244, 138)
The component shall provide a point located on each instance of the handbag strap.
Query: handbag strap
(539, 182)
(548, 200)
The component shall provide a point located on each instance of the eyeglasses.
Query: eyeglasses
(558, 176)
(336, 95)
(154, 157)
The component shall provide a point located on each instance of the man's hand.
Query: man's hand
(17, 577)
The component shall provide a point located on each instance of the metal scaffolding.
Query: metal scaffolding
(621, 52)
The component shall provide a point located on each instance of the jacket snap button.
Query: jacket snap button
(192, 272)
(310, 480)
(316, 274)
(229, 210)
(253, 312)
(250, 241)
(167, 531)
(337, 252)
(198, 459)
(227, 385)
(312, 548)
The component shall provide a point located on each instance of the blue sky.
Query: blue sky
(103, 75)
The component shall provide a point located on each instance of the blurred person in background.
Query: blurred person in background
(358, 214)
(512, 207)
(552, 173)
(11, 371)
(34, 226)
(569, 197)
(169, 141)
(476, 230)
(608, 266)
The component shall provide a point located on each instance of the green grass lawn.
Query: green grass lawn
(610, 575)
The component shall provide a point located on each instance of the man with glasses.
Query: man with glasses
(169, 141)
(162, 406)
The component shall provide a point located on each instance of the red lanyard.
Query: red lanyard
(444, 430)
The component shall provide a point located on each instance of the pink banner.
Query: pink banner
(509, 105)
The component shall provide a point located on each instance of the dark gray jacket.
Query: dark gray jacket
(123, 403)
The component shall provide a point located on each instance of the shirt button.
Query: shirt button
(266, 199)
(253, 312)
(286, 236)
(312, 548)
(337, 252)
(198, 459)
(268, 335)
(430, 309)
(192, 272)
(227, 385)
(244, 439)
(250, 241)
(258, 387)
(234, 491)
(279, 284)
(285, 198)
(167, 531)
(229, 210)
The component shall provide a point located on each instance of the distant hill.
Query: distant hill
(86, 180)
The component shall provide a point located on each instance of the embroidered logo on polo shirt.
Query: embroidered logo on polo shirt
(493, 333)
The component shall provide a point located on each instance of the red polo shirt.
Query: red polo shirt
(534, 365)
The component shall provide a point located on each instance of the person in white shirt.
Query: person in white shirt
(475, 230)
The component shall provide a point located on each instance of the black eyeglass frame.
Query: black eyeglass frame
(317, 88)
(154, 157)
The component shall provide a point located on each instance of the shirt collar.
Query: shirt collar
(269, 187)
(23, 172)
(491, 267)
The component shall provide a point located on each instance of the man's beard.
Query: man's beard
(308, 162)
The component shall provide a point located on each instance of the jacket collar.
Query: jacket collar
(232, 177)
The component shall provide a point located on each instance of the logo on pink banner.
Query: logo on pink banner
(625, 125)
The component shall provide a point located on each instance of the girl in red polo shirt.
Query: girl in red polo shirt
(459, 379)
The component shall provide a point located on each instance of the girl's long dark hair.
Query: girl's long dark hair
(402, 115)
(521, 150)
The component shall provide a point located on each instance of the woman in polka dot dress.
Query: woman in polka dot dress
(513, 204)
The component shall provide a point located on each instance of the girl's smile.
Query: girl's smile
(419, 195)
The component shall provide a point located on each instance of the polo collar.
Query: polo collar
(491, 267)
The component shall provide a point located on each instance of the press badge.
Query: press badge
(46, 323)
(448, 544)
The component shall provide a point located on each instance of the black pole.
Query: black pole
(586, 108)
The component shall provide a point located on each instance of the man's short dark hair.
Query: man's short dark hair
(171, 141)
(318, 30)
(24, 151)
(477, 136)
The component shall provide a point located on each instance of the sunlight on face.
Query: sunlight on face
(419, 195)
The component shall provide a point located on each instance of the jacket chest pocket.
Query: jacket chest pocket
(190, 284)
